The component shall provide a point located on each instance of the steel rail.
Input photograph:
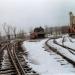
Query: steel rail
(18, 63)
(56, 51)
(2, 48)
(63, 45)
(13, 61)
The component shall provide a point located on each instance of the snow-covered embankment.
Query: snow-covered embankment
(40, 60)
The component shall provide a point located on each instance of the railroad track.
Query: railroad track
(12, 62)
(19, 53)
(7, 63)
(68, 48)
(57, 52)
(15, 64)
(72, 51)
(1, 55)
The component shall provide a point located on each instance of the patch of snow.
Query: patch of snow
(41, 61)
(73, 39)
(62, 50)
(59, 40)
(69, 42)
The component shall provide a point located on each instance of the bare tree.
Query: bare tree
(7, 28)
(21, 34)
(0, 36)
(14, 31)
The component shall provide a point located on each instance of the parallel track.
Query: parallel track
(9, 63)
(68, 48)
(23, 63)
(6, 66)
(13, 62)
(57, 52)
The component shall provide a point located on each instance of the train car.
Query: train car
(38, 33)
(33, 35)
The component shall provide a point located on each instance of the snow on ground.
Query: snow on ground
(41, 61)
(62, 50)
(73, 39)
(68, 41)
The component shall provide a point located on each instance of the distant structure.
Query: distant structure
(72, 19)
(72, 24)
(57, 30)
(37, 33)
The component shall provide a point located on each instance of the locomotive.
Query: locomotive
(37, 33)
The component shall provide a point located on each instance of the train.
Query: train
(37, 33)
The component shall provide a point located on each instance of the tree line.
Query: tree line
(11, 32)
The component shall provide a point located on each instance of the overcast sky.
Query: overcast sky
(26, 14)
